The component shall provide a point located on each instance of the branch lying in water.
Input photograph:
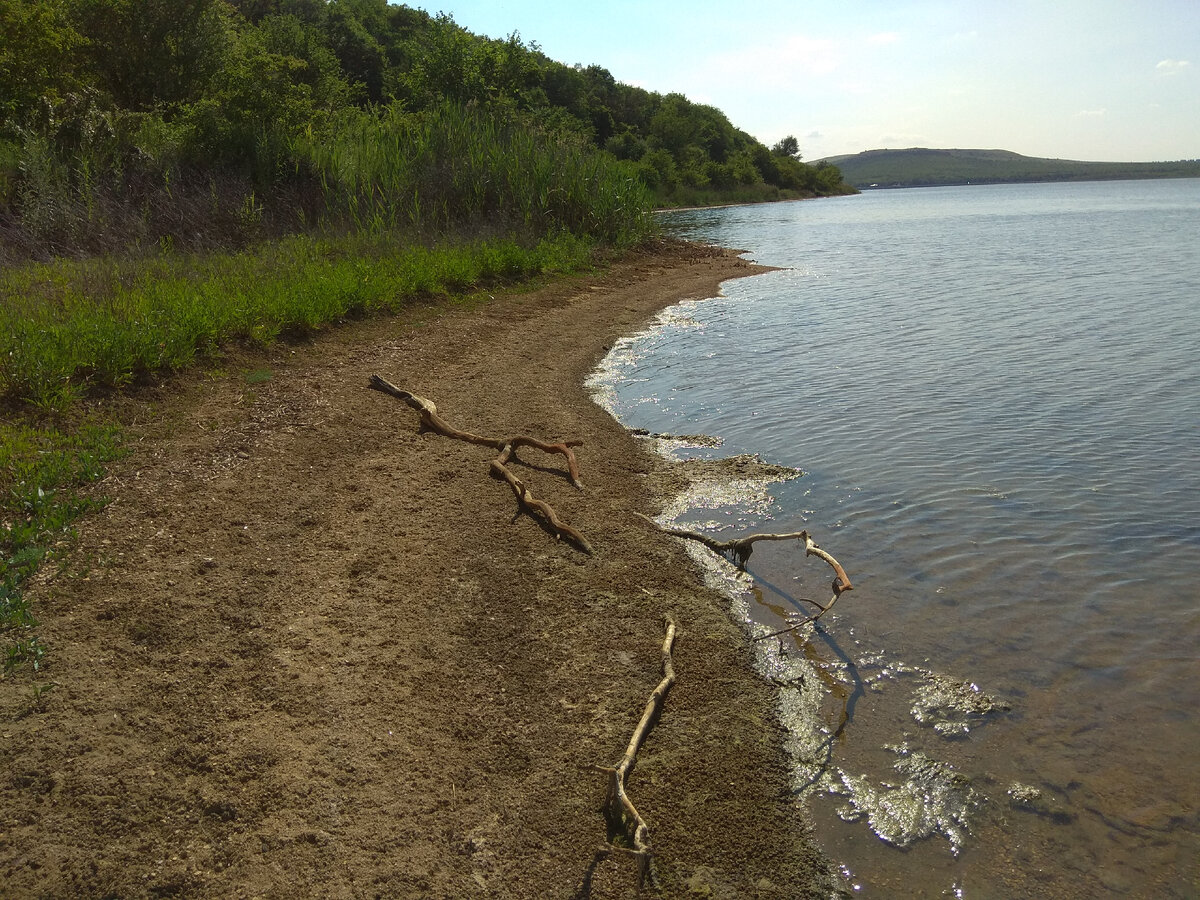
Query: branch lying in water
(507, 447)
(741, 548)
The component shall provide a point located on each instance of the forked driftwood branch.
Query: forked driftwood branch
(507, 448)
(618, 807)
(741, 548)
(560, 528)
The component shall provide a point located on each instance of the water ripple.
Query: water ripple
(995, 396)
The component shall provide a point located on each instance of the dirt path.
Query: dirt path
(308, 652)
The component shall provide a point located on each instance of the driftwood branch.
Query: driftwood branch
(617, 806)
(431, 420)
(741, 548)
(531, 504)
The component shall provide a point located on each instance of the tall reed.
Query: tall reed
(95, 183)
(455, 166)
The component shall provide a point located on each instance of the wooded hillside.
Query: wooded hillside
(921, 167)
(210, 122)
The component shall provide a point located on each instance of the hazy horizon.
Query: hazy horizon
(1102, 80)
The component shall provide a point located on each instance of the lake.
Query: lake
(993, 393)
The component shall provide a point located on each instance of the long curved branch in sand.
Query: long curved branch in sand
(507, 447)
(741, 548)
(617, 805)
(530, 503)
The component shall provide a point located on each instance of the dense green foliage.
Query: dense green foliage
(210, 123)
(921, 167)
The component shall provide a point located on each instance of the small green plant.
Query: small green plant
(39, 694)
(29, 651)
(40, 471)
(250, 214)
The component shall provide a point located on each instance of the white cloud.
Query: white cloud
(1091, 113)
(813, 136)
(1171, 66)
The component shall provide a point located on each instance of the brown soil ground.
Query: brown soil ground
(308, 652)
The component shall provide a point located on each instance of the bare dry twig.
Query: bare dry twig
(617, 805)
(507, 447)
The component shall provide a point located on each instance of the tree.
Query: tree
(255, 10)
(361, 56)
(35, 52)
(143, 52)
(789, 146)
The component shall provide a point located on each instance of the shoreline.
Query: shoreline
(307, 651)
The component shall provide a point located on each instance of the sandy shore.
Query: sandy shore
(308, 652)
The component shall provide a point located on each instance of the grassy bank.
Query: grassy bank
(76, 329)
(133, 252)
(70, 327)
(687, 197)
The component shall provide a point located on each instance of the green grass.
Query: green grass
(41, 469)
(69, 327)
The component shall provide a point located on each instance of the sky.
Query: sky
(1112, 80)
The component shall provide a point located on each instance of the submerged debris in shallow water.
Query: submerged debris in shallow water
(935, 798)
(1023, 794)
(743, 467)
(674, 442)
(951, 706)
(737, 487)
(1027, 798)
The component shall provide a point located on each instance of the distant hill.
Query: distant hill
(921, 167)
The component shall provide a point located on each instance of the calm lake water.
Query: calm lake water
(994, 395)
